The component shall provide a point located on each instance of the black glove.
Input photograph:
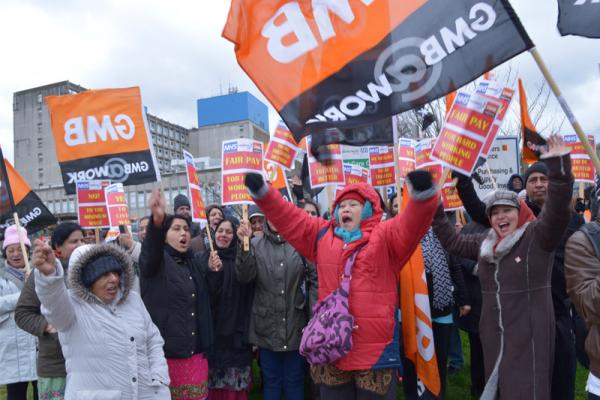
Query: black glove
(254, 181)
(420, 180)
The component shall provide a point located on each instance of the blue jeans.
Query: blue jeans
(455, 353)
(283, 373)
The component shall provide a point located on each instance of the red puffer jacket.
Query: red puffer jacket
(374, 285)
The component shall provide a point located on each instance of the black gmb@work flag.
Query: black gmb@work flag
(33, 214)
(342, 64)
(579, 17)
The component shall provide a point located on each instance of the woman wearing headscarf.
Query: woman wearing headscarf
(379, 250)
(230, 375)
(175, 291)
(18, 349)
(112, 348)
(515, 265)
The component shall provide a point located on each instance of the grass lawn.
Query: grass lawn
(458, 384)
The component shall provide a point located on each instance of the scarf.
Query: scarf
(436, 264)
(177, 256)
(355, 234)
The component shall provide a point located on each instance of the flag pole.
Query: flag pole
(565, 106)
(396, 157)
(22, 243)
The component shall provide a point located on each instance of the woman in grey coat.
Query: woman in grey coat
(280, 308)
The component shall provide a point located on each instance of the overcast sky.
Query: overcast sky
(174, 51)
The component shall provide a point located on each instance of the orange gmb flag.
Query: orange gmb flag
(530, 138)
(417, 327)
(102, 134)
(33, 214)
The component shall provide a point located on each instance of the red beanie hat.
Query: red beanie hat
(352, 196)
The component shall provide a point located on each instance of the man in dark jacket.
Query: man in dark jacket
(181, 206)
(515, 183)
(28, 316)
(536, 185)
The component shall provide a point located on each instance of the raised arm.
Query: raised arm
(555, 216)
(151, 256)
(404, 232)
(295, 225)
(473, 204)
(465, 245)
(51, 288)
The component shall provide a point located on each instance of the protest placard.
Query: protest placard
(450, 198)
(91, 204)
(406, 156)
(196, 200)
(356, 155)
(581, 164)
(503, 161)
(330, 172)
(381, 160)
(423, 159)
(240, 156)
(282, 148)
(355, 174)
(504, 95)
(464, 133)
(118, 212)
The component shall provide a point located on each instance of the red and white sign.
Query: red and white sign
(423, 159)
(118, 212)
(282, 148)
(406, 156)
(504, 95)
(240, 156)
(450, 198)
(197, 203)
(91, 204)
(355, 174)
(330, 172)
(381, 160)
(581, 164)
(465, 131)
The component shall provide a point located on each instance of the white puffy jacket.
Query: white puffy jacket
(112, 352)
(18, 349)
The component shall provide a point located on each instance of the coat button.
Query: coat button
(193, 314)
(281, 264)
(193, 294)
(285, 347)
(283, 292)
(131, 338)
(134, 380)
(283, 319)
(193, 333)
(190, 278)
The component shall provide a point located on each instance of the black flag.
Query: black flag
(579, 18)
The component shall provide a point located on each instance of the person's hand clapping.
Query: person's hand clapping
(43, 257)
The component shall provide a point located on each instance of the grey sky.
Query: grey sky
(174, 52)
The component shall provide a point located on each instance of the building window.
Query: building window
(40, 143)
(40, 157)
(159, 129)
(160, 141)
(132, 200)
(39, 98)
(141, 199)
(63, 206)
(71, 206)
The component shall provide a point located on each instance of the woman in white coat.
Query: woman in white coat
(113, 350)
(17, 347)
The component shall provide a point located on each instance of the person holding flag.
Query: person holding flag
(18, 348)
(355, 239)
(515, 259)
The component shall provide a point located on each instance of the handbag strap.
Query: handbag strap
(347, 276)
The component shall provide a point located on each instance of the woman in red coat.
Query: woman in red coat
(367, 372)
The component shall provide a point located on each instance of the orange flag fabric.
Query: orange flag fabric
(530, 138)
(450, 100)
(417, 327)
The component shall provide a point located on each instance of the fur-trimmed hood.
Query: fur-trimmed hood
(83, 255)
(503, 248)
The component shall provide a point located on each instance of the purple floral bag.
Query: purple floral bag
(328, 335)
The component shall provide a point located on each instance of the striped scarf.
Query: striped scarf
(436, 264)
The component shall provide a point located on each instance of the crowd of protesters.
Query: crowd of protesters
(185, 311)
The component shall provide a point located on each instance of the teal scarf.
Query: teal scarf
(346, 236)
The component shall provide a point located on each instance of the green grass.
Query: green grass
(458, 385)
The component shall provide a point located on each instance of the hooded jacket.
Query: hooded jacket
(509, 185)
(17, 348)
(112, 351)
(279, 273)
(517, 320)
(386, 247)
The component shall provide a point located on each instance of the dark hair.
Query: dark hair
(233, 226)
(146, 217)
(62, 233)
(312, 203)
(170, 218)
(211, 207)
(4, 251)
(391, 204)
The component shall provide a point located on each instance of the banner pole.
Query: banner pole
(582, 190)
(208, 235)
(489, 172)
(330, 199)
(97, 235)
(245, 219)
(22, 243)
(396, 158)
(566, 108)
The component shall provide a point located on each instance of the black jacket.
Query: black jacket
(231, 305)
(175, 292)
